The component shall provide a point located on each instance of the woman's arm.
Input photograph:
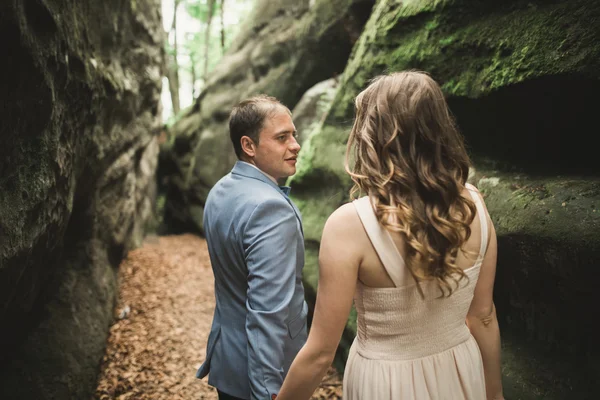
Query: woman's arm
(339, 259)
(482, 321)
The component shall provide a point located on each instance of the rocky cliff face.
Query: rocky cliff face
(285, 47)
(313, 107)
(79, 97)
(519, 77)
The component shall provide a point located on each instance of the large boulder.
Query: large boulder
(548, 231)
(284, 48)
(80, 103)
(520, 77)
(313, 107)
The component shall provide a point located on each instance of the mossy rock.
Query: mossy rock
(80, 91)
(548, 253)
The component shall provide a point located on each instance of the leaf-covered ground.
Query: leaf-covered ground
(163, 318)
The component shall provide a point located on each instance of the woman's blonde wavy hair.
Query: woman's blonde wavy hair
(411, 161)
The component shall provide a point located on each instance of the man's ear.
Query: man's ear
(248, 146)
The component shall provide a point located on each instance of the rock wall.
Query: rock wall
(549, 250)
(284, 48)
(313, 107)
(520, 77)
(79, 96)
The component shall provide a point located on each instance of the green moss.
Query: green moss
(305, 161)
(446, 41)
(431, 25)
(470, 52)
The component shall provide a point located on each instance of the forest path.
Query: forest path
(163, 319)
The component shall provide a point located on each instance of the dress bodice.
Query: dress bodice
(397, 323)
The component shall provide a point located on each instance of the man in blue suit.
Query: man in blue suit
(256, 247)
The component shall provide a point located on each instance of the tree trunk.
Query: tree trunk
(173, 77)
(173, 70)
(211, 8)
(222, 26)
(193, 72)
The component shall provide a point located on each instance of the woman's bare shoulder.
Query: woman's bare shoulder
(343, 218)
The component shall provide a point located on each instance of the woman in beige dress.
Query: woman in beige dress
(416, 254)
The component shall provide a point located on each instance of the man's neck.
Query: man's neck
(263, 172)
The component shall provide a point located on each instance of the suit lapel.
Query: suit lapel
(250, 171)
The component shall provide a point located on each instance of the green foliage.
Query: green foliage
(198, 9)
(192, 47)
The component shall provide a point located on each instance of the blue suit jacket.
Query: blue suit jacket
(256, 246)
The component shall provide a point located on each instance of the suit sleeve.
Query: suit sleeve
(270, 243)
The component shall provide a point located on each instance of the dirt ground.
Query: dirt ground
(163, 318)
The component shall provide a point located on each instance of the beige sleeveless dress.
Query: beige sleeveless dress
(408, 347)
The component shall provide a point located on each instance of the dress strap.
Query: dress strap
(482, 219)
(381, 240)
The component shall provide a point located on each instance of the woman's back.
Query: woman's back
(372, 273)
(410, 345)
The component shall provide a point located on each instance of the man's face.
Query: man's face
(277, 148)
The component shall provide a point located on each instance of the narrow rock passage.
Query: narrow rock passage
(164, 313)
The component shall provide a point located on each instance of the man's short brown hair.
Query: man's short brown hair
(248, 117)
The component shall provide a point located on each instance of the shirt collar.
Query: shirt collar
(285, 189)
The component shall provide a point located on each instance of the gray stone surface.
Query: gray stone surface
(79, 95)
(313, 107)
